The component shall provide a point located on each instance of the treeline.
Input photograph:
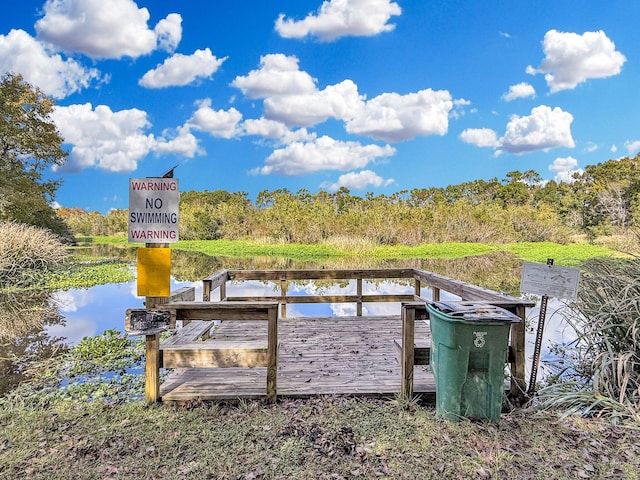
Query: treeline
(603, 199)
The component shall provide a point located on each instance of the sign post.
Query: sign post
(548, 281)
(153, 220)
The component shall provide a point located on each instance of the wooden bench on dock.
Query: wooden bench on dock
(200, 343)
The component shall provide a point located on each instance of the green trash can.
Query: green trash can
(469, 345)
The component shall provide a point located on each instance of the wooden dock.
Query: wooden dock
(316, 356)
(247, 347)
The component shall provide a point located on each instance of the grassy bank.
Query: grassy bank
(320, 438)
(570, 254)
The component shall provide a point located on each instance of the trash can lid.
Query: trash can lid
(475, 312)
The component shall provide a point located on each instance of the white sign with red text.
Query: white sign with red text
(153, 210)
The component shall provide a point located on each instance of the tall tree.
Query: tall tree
(29, 144)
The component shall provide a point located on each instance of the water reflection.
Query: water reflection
(24, 318)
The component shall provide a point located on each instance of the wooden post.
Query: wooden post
(518, 385)
(435, 294)
(283, 294)
(417, 287)
(408, 346)
(152, 368)
(272, 353)
(359, 294)
(152, 359)
(206, 290)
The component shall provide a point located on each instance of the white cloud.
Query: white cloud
(291, 97)
(179, 142)
(102, 138)
(614, 148)
(180, 70)
(481, 137)
(358, 181)
(459, 109)
(571, 59)
(217, 123)
(324, 153)
(520, 90)
(263, 127)
(393, 117)
(340, 18)
(632, 147)
(55, 76)
(339, 101)
(591, 147)
(544, 129)
(565, 168)
(169, 32)
(278, 75)
(100, 29)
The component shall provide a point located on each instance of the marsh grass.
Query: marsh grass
(346, 246)
(27, 255)
(604, 364)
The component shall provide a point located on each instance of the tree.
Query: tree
(29, 144)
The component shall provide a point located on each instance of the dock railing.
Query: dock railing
(413, 305)
(191, 352)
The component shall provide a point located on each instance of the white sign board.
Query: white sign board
(153, 210)
(549, 280)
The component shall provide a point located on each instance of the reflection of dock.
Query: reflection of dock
(328, 355)
(243, 347)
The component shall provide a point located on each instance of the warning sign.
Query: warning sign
(549, 280)
(153, 210)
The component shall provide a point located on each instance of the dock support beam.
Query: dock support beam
(272, 353)
(408, 347)
(152, 368)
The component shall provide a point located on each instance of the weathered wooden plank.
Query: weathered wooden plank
(152, 368)
(421, 350)
(272, 360)
(219, 278)
(322, 274)
(193, 331)
(184, 294)
(220, 310)
(407, 361)
(195, 356)
(316, 356)
(327, 298)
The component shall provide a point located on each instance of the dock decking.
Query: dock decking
(316, 356)
(259, 351)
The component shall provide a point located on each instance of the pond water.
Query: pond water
(39, 326)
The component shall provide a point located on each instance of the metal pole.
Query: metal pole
(538, 343)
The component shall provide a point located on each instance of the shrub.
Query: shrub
(27, 254)
(605, 364)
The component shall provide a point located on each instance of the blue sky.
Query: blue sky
(373, 95)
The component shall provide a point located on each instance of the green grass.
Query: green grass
(319, 438)
(244, 249)
(570, 254)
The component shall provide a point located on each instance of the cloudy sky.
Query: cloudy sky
(373, 95)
